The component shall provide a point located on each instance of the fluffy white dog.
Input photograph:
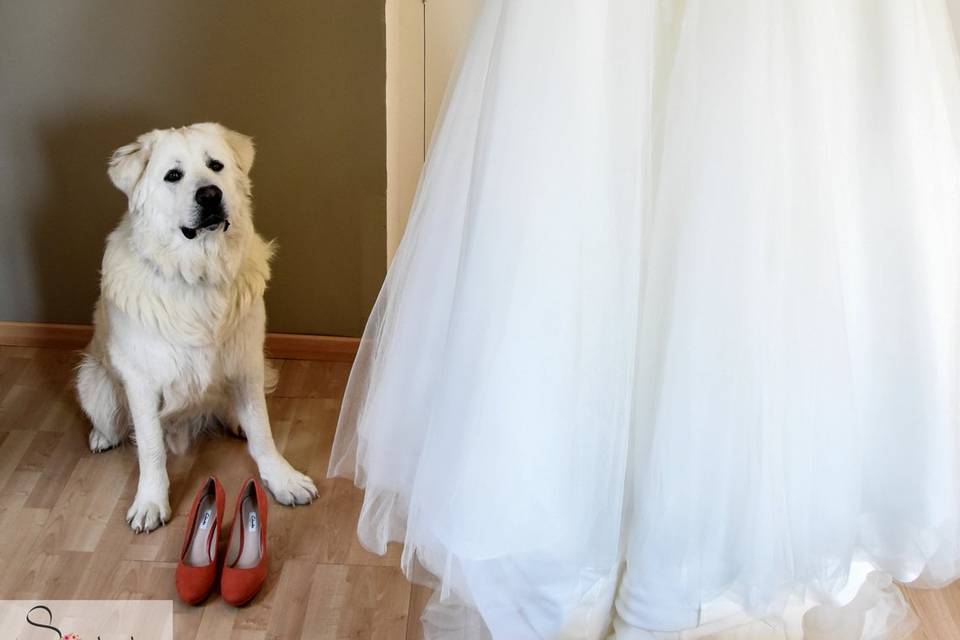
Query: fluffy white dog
(179, 326)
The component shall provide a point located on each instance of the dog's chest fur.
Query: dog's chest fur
(192, 326)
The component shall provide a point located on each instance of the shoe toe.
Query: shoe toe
(240, 586)
(194, 584)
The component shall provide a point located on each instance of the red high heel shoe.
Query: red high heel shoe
(197, 569)
(245, 566)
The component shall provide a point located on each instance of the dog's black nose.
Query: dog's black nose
(208, 196)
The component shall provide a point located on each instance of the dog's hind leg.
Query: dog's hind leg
(228, 419)
(224, 416)
(271, 377)
(226, 412)
(101, 400)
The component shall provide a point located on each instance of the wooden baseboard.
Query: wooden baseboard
(43, 335)
(296, 346)
(287, 346)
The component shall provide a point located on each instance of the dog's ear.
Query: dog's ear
(241, 145)
(128, 162)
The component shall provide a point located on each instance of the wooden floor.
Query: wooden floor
(63, 535)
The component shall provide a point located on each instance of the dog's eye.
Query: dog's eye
(215, 165)
(173, 175)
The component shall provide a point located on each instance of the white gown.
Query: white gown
(671, 341)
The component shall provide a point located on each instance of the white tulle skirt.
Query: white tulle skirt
(671, 346)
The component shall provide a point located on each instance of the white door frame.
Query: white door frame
(405, 111)
(424, 39)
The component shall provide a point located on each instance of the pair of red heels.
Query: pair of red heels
(245, 564)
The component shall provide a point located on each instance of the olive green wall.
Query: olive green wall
(305, 78)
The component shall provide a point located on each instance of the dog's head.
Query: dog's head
(187, 182)
(189, 198)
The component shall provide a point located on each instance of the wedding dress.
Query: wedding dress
(671, 345)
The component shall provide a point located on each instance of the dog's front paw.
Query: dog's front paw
(146, 514)
(288, 485)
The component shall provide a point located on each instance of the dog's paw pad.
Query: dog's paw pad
(146, 515)
(290, 487)
(99, 442)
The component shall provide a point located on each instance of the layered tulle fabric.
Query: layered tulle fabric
(674, 323)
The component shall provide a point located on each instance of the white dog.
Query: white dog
(179, 327)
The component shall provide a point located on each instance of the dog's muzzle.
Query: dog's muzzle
(211, 214)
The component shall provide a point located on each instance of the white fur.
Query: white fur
(179, 326)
